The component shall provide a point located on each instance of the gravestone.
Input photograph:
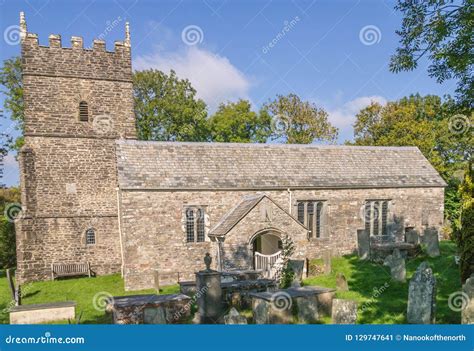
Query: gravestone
(327, 262)
(15, 292)
(396, 262)
(363, 244)
(341, 282)
(431, 240)
(344, 311)
(209, 293)
(422, 296)
(234, 317)
(297, 266)
(412, 237)
(467, 301)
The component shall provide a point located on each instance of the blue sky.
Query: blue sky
(333, 53)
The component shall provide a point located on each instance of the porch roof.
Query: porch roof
(148, 165)
(235, 215)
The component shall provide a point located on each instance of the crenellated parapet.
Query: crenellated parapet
(75, 60)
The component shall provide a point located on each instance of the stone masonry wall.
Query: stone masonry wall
(68, 167)
(154, 237)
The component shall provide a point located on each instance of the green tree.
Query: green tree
(166, 108)
(236, 122)
(464, 225)
(7, 228)
(11, 80)
(442, 31)
(423, 122)
(299, 122)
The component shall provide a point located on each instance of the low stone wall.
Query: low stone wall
(150, 309)
(43, 313)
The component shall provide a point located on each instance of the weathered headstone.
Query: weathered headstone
(233, 317)
(467, 301)
(327, 262)
(209, 294)
(412, 237)
(363, 244)
(431, 240)
(297, 266)
(397, 265)
(344, 311)
(15, 292)
(341, 282)
(422, 296)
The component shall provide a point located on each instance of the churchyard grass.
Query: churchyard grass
(80, 290)
(381, 300)
(384, 301)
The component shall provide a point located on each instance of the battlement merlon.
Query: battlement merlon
(75, 61)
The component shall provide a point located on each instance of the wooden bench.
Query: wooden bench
(70, 269)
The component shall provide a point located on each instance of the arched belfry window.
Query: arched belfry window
(83, 111)
(90, 236)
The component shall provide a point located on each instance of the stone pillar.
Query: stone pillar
(209, 296)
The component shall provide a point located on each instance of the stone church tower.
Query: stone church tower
(78, 102)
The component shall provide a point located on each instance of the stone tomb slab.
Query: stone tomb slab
(43, 313)
(150, 309)
(308, 304)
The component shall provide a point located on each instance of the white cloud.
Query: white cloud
(344, 117)
(213, 76)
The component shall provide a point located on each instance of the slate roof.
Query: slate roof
(175, 165)
(231, 218)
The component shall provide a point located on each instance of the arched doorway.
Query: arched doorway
(266, 247)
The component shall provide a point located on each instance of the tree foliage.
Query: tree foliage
(7, 229)
(464, 225)
(299, 122)
(11, 80)
(236, 122)
(166, 108)
(443, 31)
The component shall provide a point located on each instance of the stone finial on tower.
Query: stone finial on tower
(23, 29)
(127, 34)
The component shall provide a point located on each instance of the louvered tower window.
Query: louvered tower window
(83, 111)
